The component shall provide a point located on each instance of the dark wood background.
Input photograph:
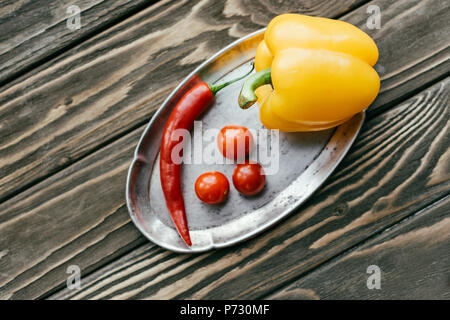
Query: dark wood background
(74, 103)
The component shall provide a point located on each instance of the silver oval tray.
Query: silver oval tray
(305, 161)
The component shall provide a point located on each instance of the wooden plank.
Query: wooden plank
(413, 257)
(405, 66)
(36, 30)
(98, 91)
(398, 165)
(75, 217)
(78, 215)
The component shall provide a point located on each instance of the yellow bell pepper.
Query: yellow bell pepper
(312, 73)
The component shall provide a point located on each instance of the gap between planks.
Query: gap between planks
(389, 225)
(415, 225)
(77, 41)
(70, 166)
(126, 131)
(145, 122)
(369, 239)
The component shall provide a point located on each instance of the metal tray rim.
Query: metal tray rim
(360, 119)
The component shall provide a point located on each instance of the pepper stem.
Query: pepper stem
(216, 87)
(247, 97)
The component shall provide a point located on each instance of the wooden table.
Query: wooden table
(73, 104)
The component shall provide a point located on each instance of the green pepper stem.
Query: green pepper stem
(215, 88)
(247, 97)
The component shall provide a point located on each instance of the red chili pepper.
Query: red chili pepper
(190, 106)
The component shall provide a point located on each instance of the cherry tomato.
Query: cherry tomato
(235, 142)
(249, 178)
(212, 187)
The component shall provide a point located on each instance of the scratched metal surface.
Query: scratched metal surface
(305, 161)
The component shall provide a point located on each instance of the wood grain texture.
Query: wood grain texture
(113, 83)
(78, 216)
(75, 217)
(413, 256)
(398, 165)
(34, 30)
(404, 65)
